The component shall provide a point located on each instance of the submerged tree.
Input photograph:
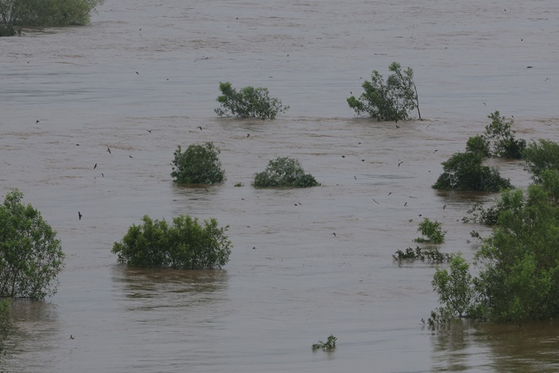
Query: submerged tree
(284, 172)
(248, 102)
(30, 254)
(44, 13)
(198, 164)
(389, 100)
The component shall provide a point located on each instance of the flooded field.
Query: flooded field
(66, 95)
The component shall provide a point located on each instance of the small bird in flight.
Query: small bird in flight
(79, 215)
(94, 167)
(131, 156)
(109, 150)
(400, 163)
(200, 128)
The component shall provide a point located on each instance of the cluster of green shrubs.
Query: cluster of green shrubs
(465, 171)
(328, 346)
(44, 13)
(429, 254)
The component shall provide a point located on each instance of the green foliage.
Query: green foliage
(479, 145)
(389, 100)
(284, 172)
(46, 13)
(30, 254)
(465, 171)
(184, 245)
(6, 325)
(249, 102)
(500, 132)
(329, 345)
(518, 264)
(432, 255)
(455, 288)
(433, 230)
(540, 157)
(482, 215)
(199, 164)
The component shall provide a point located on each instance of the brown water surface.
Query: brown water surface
(290, 280)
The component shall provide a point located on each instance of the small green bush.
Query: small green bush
(6, 325)
(249, 102)
(329, 345)
(389, 100)
(500, 132)
(432, 255)
(540, 157)
(30, 254)
(479, 145)
(45, 13)
(455, 289)
(433, 230)
(284, 172)
(199, 164)
(183, 245)
(465, 171)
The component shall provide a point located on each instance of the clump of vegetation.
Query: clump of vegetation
(540, 157)
(329, 345)
(30, 254)
(198, 164)
(432, 255)
(518, 263)
(284, 172)
(389, 100)
(465, 171)
(432, 230)
(183, 245)
(500, 132)
(249, 102)
(6, 325)
(479, 145)
(44, 13)
(483, 215)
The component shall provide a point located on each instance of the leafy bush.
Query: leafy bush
(540, 157)
(455, 288)
(390, 100)
(465, 171)
(199, 164)
(432, 230)
(329, 345)
(482, 215)
(518, 264)
(249, 102)
(6, 326)
(284, 172)
(501, 133)
(184, 245)
(45, 13)
(432, 255)
(30, 254)
(479, 145)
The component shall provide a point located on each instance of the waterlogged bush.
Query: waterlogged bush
(501, 134)
(389, 100)
(479, 145)
(455, 288)
(44, 13)
(432, 230)
(198, 164)
(431, 255)
(249, 102)
(540, 157)
(465, 171)
(6, 326)
(284, 172)
(183, 245)
(329, 345)
(30, 254)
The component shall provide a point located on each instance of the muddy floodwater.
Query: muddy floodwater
(306, 263)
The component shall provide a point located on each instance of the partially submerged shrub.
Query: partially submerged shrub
(479, 145)
(500, 132)
(284, 172)
(389, 100)
(329, 345)
(465, 171)
(432, 230)
(6, 325)
(432, 255)
(483, 215)
(540, 157)
(45, 13)
(30, 254)
(183, 245)
(199, 164)
(249, 102)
